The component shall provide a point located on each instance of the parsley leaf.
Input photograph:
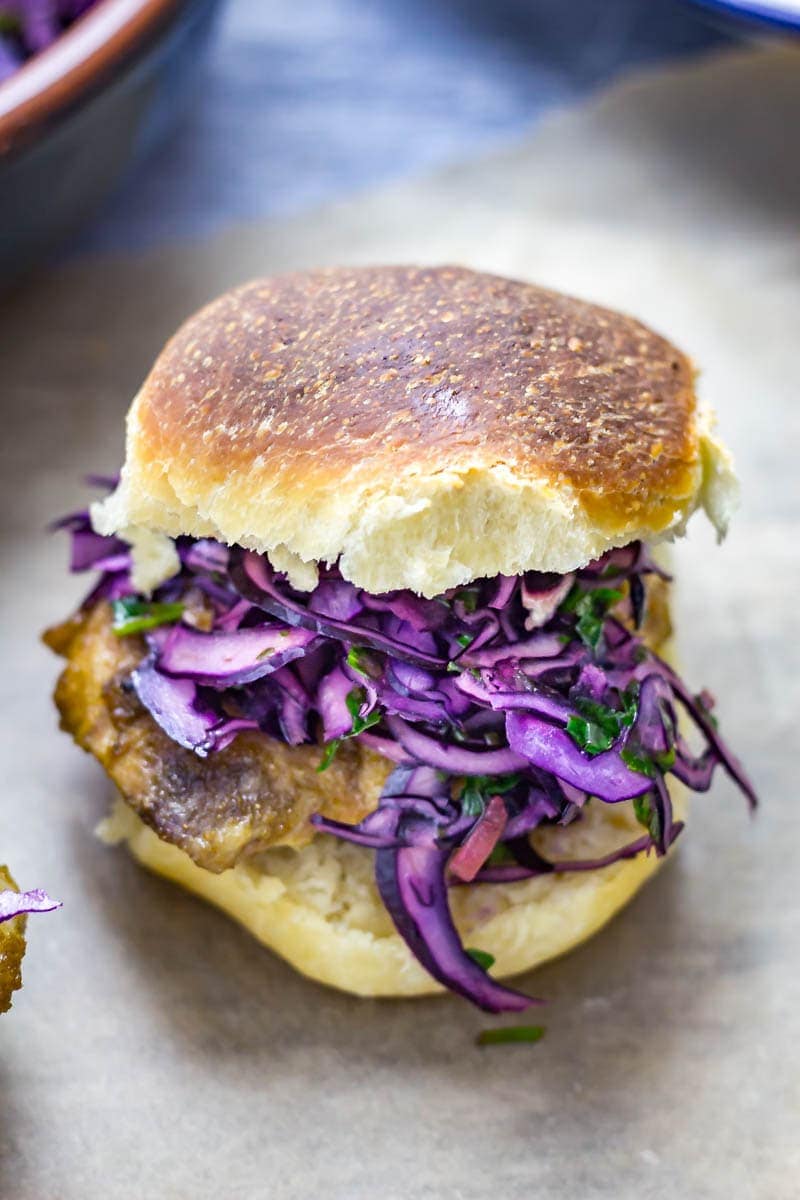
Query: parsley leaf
(482, 958)
(468, 598)
(591, 609)
(136, 616)
(647, 814)
(360, 661)
(329, 754)
(646, 763)
(510, 1033)
(597, 727)
(477, 789)
(355, 701)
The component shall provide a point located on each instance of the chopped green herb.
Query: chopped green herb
(648, 764)
(468, 598)
(267, 652)
(465, 639)
(501, 856)
(329, 754)
(638, 762)
(591, 608)
(356, 699)
(598, 726)
(510, 1033)
(357, 659)
(630, 703)
(478, 788)
(647, 815)
(472, 801)
(592, 738)
(482, 958)
(136, 616)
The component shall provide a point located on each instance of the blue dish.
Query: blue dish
(780, 17)
(104, 101)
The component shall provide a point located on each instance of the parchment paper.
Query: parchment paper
(156, 1050)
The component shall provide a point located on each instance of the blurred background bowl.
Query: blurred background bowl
(776, 16)
(75, 119)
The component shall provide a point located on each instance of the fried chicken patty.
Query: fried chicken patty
(258, 792)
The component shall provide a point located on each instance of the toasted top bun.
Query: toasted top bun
(421, 426)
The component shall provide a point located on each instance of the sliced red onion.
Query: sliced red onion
(481, 840)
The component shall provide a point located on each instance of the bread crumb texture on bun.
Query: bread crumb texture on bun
(422, 427)
(319, 908)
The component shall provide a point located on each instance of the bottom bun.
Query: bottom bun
(318, 907)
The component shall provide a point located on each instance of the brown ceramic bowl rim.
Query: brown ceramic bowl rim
(85, 54)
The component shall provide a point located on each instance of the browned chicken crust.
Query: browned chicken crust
(12, 948)
(256, 793)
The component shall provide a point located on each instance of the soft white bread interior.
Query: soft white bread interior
(319, 909)
(421, 427)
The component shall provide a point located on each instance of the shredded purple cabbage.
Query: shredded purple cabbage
(28, 26)
(536, 693)
(13, 904)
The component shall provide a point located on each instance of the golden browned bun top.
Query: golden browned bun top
(423, 426)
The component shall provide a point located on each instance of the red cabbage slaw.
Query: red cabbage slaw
(28, 26)
(14, 904)
(505, 705)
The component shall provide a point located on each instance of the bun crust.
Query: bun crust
(423, 426)
(318, 907)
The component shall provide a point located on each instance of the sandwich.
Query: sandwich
(376, 651)
(14, 907)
